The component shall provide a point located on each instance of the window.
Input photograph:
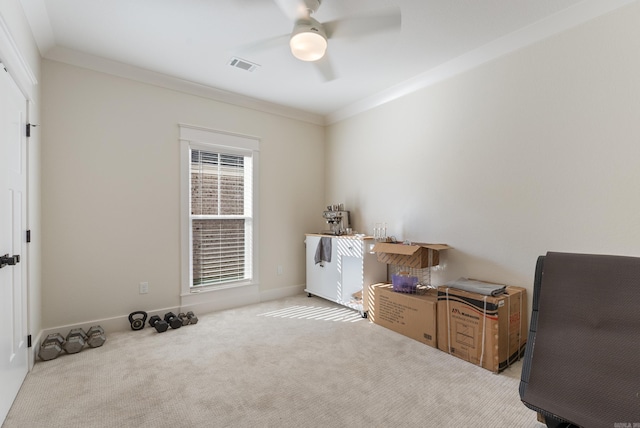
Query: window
(220, 218)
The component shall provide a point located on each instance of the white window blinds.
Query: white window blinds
(220, 217)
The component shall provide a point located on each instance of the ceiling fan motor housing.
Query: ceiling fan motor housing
(308, 40)
(308, 25)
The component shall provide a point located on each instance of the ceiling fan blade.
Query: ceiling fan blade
(265, 44)
(293, 9)
(323, 65)
(358, 26)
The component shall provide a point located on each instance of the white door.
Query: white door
(13, 289)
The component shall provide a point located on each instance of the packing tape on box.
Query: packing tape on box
(484, 328)
(509, 330)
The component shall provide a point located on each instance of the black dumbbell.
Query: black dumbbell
(158, 323)
(193, 319)
(172, 320)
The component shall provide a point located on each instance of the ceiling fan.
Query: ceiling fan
(309, 38)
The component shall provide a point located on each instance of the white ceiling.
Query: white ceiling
(194, 40)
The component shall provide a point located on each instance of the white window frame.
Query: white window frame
(199, 138)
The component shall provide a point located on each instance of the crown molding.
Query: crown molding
(103, 65)
(543, 29)
(38, 18)
(14, 62)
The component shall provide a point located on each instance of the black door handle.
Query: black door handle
(9, 260)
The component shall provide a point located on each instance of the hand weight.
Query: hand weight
(158, 323)
(51, 347)
(188, 318)
(193, 319)
(172, 320)
(183, 318)
(137, 320)
(76, 339)
(96, 336)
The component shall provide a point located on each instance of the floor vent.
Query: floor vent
(243, 64)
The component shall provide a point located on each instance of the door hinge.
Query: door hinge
(28, 236)
(28, 128)
(29, 341)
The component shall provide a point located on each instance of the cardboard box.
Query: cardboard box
(487, 331)
(415, 255)
(412, 315)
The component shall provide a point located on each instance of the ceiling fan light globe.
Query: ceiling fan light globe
(308, 46)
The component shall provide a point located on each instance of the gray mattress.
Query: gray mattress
(582, 362)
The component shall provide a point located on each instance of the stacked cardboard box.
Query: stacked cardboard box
(412, 315)
(487, 331)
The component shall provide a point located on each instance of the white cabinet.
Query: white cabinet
(322, 278)
(351, 268)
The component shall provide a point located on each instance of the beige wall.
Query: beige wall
(111, 189)
(533, 152)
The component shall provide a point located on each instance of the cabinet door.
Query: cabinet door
(322, 278)
(350, 278)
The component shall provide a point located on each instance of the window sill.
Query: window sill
(211, 288)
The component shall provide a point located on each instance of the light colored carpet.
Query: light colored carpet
(295, 362)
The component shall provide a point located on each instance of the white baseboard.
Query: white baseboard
(216, 300)
(110, 325)
(200, 303)
(229, 298)
(281, 293)
(35, 347)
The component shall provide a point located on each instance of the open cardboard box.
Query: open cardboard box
(416, 255)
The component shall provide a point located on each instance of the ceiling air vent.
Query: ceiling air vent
(243, 64)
